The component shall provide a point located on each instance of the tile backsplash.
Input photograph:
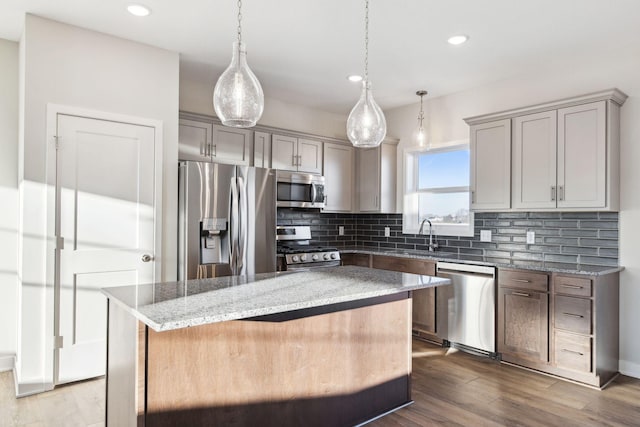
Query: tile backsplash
(562, 239)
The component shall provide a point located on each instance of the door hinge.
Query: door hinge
(59, 243)
(56, 140)
(57, 342)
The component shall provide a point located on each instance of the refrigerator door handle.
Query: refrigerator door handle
(242, 223)
(233, 225)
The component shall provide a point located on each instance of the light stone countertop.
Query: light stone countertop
(588, 270)
(175, 305)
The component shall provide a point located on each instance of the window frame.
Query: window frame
(411, 191)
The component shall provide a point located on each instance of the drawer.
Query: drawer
(405, 265)
(572, 314)
(572, 351)
(569, 285)
(523, 280)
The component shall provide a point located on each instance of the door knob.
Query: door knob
(147, 258)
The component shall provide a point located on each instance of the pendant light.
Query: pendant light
(366, 125)
(421, 136)
(238, 98)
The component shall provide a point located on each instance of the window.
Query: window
(437, 189)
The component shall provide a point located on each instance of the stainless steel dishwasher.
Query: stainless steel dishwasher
(465, 310)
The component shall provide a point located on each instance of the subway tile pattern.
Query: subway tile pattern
(568, 240)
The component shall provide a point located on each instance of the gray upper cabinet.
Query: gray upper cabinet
(376, 178)
(582, 146)
(194, 140)
(296, 154)
(560, 159)
(534, 161)
(231, 145)
(491, 165)
(339, 162)
(262, 149)
(205, 141)
(564, 155)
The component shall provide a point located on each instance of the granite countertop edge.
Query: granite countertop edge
(285, 292)
(449, 257)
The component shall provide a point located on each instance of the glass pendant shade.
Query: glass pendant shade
(421, 137)
(366, 125)
(238, 98)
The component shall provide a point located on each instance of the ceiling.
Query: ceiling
(302, 50)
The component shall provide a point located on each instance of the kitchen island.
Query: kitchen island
(323, 347)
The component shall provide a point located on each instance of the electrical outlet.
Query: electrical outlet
(531, 237)
(387, 232)
(485, 235)
(341, 230)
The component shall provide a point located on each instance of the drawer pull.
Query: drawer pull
(571, 286)
(573, 352)
(573, 315)
(521, 280)
(521, 294)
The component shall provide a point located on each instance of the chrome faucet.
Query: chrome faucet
(432, 246)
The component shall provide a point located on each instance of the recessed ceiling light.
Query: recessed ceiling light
(138, 10)
(456, 40)
(355, 78)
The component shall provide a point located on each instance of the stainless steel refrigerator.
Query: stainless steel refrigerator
(227, 220)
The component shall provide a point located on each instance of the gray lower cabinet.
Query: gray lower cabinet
(523, 316)
(424, 300)
(562, 324)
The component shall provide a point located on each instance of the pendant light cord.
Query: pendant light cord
(421, 116)
(366, 41)
(239, 22)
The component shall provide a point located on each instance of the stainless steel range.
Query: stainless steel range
(296, 253)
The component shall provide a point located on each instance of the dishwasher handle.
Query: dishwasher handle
(453, 273)
(453, 268)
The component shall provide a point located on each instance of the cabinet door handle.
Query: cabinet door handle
(572, 351)
(571, 286)
(293, 160)
(215, 150)
(553, 193)
(521, 294)
(573, 315)
(521, 280)
(561, 192)
(473, 197)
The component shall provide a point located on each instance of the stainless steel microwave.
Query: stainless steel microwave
(300, 190)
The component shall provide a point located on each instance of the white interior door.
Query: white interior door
(105, 208)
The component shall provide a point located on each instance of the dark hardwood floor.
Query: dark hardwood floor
(449, 389)
(452, 388)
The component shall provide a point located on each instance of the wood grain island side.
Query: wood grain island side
(329, 347)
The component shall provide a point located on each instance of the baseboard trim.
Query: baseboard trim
(27, 389)
(7, 363)
(629, 369)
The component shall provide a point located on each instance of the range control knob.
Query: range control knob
(314, 257)
(303, 257)
(326, 256)
(295, 258)
(333, 256)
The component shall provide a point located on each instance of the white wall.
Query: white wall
(560, 80)
(9, 198)
(197, 97)
(67, 65)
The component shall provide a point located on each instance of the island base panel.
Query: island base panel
(339, 368)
